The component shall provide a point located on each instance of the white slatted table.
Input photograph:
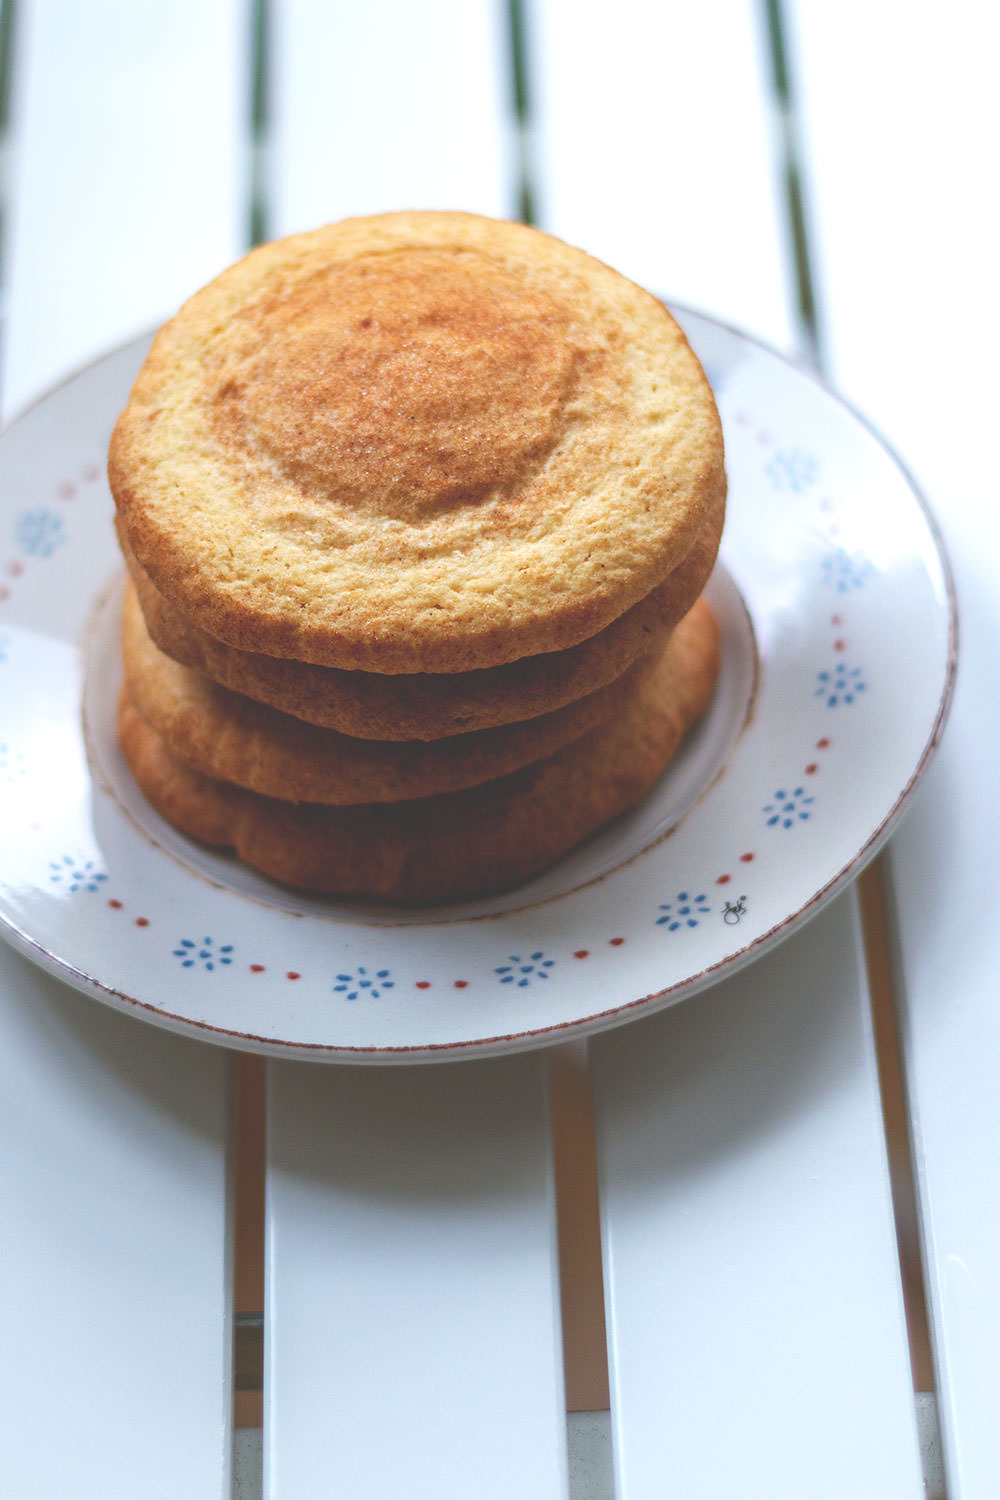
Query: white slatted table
(411, 1285)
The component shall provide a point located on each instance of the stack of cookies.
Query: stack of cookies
(417, 511)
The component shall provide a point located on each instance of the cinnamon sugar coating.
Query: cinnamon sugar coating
(415, 443)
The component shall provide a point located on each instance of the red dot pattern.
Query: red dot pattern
(67, 491)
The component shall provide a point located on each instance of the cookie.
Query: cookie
(422, 706)
(233, 738)
(482, 840)
(416, 443)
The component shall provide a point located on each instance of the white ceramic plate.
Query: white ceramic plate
(839, 653)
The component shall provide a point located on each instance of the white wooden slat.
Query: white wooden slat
(412, 1341)
(412, 1314)
(385, 106)
(122, 195)
(127, 188)
(912, 304)
(655, 150)
(114, 1298)
(905, 231)
(756, 1330)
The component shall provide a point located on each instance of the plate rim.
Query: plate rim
(604, 1019)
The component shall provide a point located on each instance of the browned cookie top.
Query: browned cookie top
(418, 442)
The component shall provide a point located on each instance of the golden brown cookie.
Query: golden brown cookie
(232, 738)
(422, 706)
(467, 843)
(416, 442)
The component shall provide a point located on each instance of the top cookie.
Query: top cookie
(417, 442)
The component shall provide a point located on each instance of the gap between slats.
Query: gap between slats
(875, 900)
(249, 1151)
(249, 1096)
(576, 1212)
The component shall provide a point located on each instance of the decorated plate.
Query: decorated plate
(838, 658)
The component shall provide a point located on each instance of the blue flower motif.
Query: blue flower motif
(841, 685)
(12, 763)
(844, 571)
(791, 469)
(788, 808)
(39, 532)
(206, 953)
(371, 986)
(76, 874)
(523, 971)
(684, 911)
